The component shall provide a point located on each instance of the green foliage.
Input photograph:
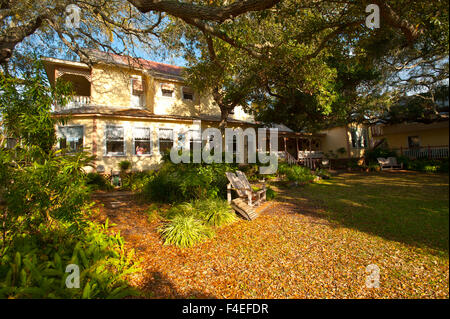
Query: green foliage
(135, 181)
(191, 222)
(425, 165)
(270, 194)
(185, 231)
(44, 223)
(34, 266)
(124, 165)
(184, 182)
(25, 105)
(295, 173)
(98, 181)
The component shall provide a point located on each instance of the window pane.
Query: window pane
(71, 137)
(165, 146)
(142, 147)
(114, 147)
(188, 96)
(167, 93)
(114, 133)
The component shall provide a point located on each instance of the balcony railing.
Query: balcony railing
(77, 101)
(424, 152)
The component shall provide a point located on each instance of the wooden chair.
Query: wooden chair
(243, 188)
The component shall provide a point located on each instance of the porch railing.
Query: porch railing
(424, 152)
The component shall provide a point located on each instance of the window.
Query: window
(167, 89)
(71, 138)
(165, 138)
(359, 137)
(115, 142)
(142, 141)
(413, 142)
(137, 92)
(188, 94)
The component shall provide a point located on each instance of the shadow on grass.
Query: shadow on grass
(159, 286)
(412, 208)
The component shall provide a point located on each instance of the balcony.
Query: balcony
(75, 102)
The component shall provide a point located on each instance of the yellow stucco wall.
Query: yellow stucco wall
(436, 134)
(139, 163)
(111, 86)
(340, 137)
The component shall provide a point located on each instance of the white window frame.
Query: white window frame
(142, 96)
(182, 94)
(159, 140)
(161, 90)
(73, 125)
(124, 153)
(150, 141)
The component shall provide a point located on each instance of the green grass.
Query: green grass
(412, 208)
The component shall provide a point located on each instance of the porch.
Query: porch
(424, 152)
(301, 148)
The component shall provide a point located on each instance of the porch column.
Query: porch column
(285, 146)
(296, 142)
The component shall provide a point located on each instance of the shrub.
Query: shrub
(136, 181)
(270, 194)
(98, 181)
(295, 173)
(124, 165)
(34, 267)
(185, 231)
(185, 182)
(214, 212)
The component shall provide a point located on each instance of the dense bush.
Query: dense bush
(185, 182)
(98, 182)
(35, 266)
(270, 194)
(135, 181)
(425, 165)
(296, 173)
(44, 219)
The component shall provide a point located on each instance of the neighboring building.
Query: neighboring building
(416, 140)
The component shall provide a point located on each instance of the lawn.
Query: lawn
(311, 242)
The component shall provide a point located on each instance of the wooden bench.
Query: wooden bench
(390, 162)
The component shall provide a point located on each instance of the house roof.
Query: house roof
(138, 113)
(124, 60)
(157, 69)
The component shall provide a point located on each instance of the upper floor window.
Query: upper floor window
(165, 138)
(142, 141)
(413, 142)
(137, 92)
(188, 93)
(167, 89)
(71, 137)
(115, 140)
(359, 137)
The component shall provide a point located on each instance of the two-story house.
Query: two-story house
(131, 109)
(135, 109)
